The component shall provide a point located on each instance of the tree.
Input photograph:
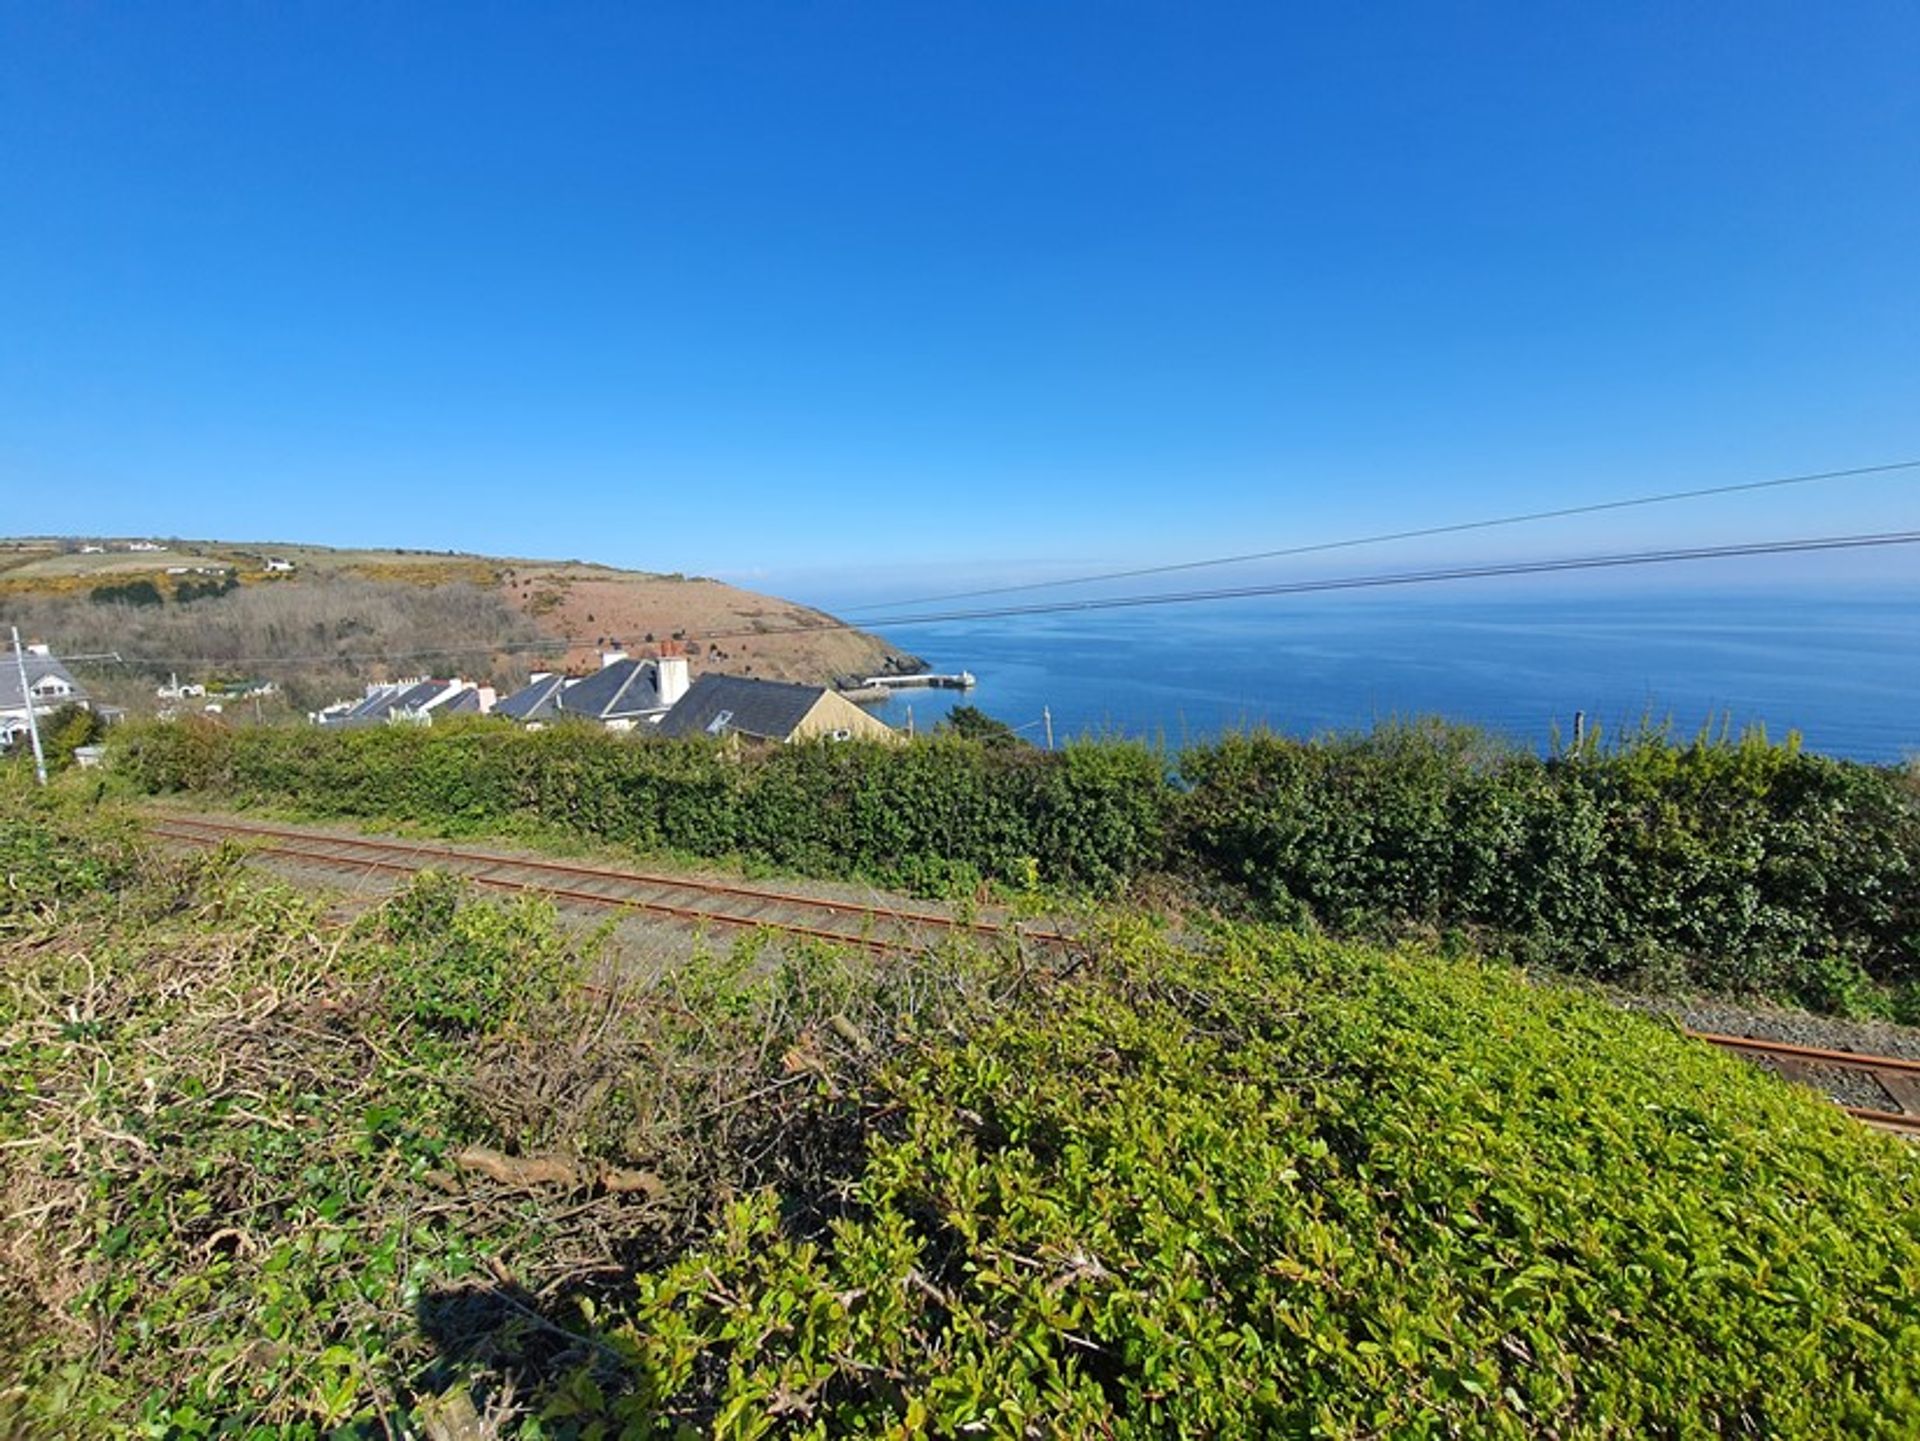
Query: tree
(975, 724)
(66, 730)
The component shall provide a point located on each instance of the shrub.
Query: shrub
(1288, 1188)
(1729, 865)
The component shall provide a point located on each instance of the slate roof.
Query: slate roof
(625, 688)
(535, 701)
(465, 701)
(39, 667)
(741, 705)
(378, 708)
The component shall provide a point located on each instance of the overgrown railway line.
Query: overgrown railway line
(1846, 1077)
(682, 899)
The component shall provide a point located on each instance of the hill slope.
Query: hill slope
(339, 615)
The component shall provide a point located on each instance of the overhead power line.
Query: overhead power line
(1418, 577)
(1438, 575)
(1423, 532)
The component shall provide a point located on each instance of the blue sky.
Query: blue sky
(837, 296)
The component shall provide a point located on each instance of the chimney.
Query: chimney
(39, 647)
(488, 697)
(611, 657)
(670, 678)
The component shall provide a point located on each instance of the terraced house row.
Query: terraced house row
(653, 694)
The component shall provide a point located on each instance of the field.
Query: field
(449, 1169)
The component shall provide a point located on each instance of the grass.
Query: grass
(267, 1174)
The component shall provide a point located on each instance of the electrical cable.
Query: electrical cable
(1386, 537)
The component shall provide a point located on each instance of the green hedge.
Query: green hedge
(1735, 865)
(929, 813)
(1726, 865)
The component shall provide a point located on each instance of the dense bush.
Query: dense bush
(1728, 865)
(263, 1174)
(934, 811)
(1285, 1188)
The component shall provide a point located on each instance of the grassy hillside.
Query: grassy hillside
(340, 617)
(263, 1169)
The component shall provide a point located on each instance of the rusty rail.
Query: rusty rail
(556, 879)
(1897, 1076)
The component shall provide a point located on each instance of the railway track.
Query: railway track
(1847, 1077)
(680, 899)
(1839, 1074)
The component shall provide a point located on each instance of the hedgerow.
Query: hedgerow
(1725, 865)
(1719, 864)
(1089, 816)
(262, 1172)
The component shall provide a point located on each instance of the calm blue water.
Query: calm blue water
(1844, 671)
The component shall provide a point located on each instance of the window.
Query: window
(843, 734)
(718, 725)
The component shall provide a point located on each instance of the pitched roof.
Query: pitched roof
(624, 688)
(39, 668)
(465, 701)
(533, 701)
(741, 705)
(383, 702)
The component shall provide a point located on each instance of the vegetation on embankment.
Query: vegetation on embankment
(262, 1170)
(1731, 865)
(319, 630)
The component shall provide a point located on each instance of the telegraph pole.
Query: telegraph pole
(26, 695)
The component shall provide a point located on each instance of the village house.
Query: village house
(773, 711)
(49, 686)
(408, 702)
(623, 693)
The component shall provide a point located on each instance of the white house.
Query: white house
(49, 686)
(622, 694)
(408, 702)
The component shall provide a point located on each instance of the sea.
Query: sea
(1840, 669)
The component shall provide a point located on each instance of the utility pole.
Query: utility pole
(1046, 718)
(26, 695)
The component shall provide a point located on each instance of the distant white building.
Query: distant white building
(275, 563)
(144, 545)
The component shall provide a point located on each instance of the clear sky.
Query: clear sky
(805, 290)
